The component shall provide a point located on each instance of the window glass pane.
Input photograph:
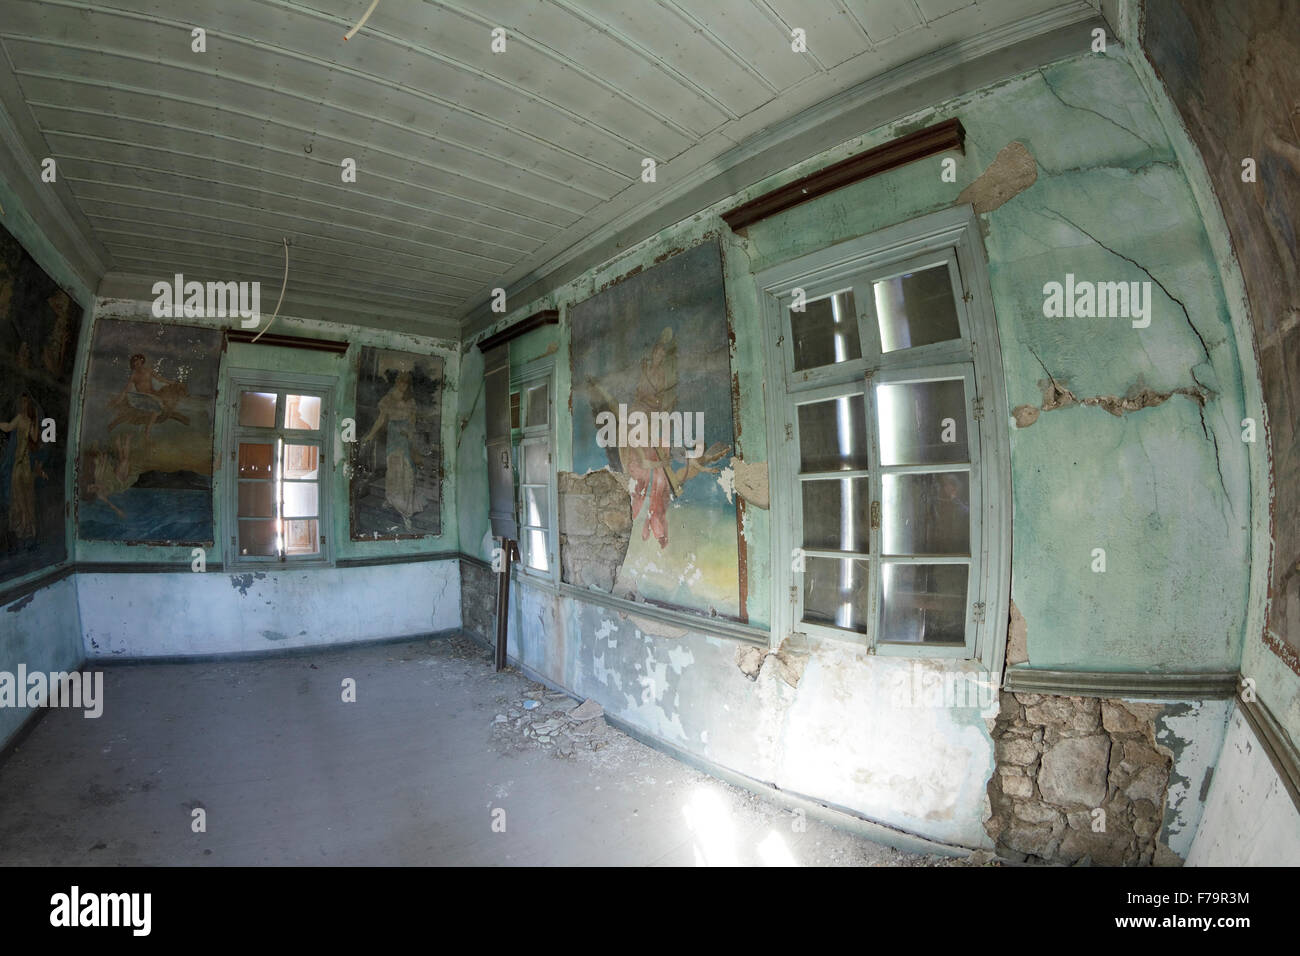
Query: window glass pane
(301, 461)
(256, 460)
(536, 466)
(514, 409)
(836, 592)
(535, 510)
(258, 538)
(535, 550)
(301, 499)
(927, 514)
(825, 332)
(537, 405)
(257, 409)
(256, 499)
(923, 603)
(301, 537)
(922, 423)
(916, 309)
(833, 435)
(836, 514)
(302, 411)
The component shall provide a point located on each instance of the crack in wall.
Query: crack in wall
(1179, 302)
(1057, 395)
(1073, 106)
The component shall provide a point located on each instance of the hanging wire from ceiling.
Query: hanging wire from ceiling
(283, 283)
(362, 22)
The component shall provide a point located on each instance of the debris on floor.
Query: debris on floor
(548, 720)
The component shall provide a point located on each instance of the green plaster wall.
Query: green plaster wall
(1164, 490)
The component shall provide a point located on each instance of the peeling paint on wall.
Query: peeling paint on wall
(1017, 638)
(595, 527)
(1012, 171)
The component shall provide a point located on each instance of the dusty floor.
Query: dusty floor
(417, 771)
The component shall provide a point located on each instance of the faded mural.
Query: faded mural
(145, 470)
(39, 324)
(397, 465)
(657, 343)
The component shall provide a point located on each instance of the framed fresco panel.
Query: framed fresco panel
(655, 347)
(39, 325)
(145, 469)
(396, 476)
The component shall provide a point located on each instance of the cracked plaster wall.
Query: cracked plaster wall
(1146, 462)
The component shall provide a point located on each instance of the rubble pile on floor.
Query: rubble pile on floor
(546, 719)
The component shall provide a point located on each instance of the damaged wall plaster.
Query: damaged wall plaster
(1139, 396)
(595, 527)
(1017, 638)
(787, 661)
(1060, 760)
(1012, 171)
(478, 606)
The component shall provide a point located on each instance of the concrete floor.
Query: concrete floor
(411, 773)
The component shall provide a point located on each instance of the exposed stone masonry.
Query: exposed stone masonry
(1061, 759)
(595, 526)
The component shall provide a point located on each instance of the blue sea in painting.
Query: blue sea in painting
(182, 515)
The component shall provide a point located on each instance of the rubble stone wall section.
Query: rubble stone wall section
(1078, 780)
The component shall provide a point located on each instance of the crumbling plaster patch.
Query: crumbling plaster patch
(1012, 171)
(595, 527)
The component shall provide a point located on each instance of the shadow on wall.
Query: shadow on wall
(1233, 70)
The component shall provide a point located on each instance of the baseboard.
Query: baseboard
(25, 729)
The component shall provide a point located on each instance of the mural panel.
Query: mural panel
(39, 324)
(145, 472)
(653, 350)
(396, 484)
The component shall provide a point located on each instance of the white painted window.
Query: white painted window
(889, 442)
(532, 421)
(278, 457)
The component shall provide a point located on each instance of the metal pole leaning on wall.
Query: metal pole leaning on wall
(508, 554)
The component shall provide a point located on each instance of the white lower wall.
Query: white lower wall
(1249, 818)
(38, 631)
(179, 614)
(853, 733)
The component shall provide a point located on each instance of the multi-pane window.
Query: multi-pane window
(881, 445)
(531, 422)
(278, 451)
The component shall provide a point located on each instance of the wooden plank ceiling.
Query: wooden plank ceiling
(474, 168)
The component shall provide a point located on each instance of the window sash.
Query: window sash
(526, 383)
(951, 237)
(281, 436)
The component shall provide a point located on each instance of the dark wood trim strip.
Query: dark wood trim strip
(1212, 685)
(534, 321)
(19, 591)
(397, 559)
(286, 341)
(142, 567)
(898, 152)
